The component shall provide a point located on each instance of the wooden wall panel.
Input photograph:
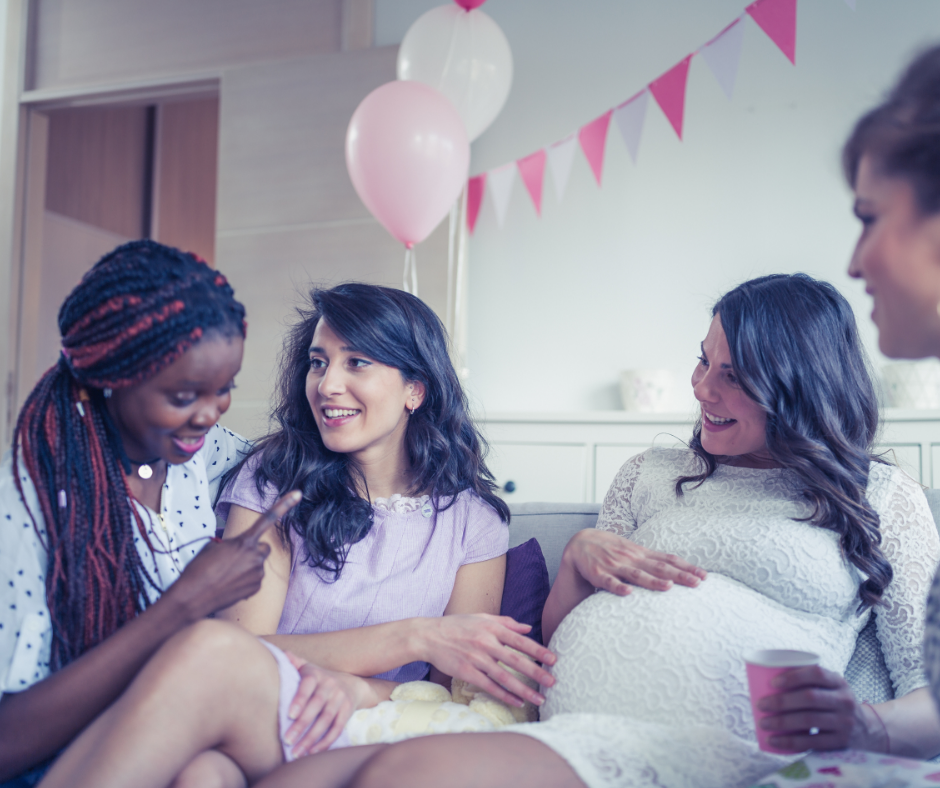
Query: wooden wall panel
(89, 42)
(282, 138)
(96, 167)
(186, 168)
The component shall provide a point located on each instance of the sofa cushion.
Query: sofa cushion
(526, 587)
(553, 524)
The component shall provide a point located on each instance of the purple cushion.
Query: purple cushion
(526, 587)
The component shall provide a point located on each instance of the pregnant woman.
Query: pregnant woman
(804, 535)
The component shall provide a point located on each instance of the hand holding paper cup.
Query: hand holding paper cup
(762, 668)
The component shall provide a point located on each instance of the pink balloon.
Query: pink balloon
(469, 4)
(408, 157)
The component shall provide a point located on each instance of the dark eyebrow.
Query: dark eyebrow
(702, 347)
(344, 348)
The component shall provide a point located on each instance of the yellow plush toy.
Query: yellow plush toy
(419, 708)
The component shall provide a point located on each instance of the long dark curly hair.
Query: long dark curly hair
(796, 352)
(134, 313)
(445, 451)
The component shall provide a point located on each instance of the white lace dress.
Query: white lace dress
(651, 687)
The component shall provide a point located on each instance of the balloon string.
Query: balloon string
(409, 279)
(451, 323)
(450, 54)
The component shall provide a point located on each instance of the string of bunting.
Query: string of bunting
(776, 18)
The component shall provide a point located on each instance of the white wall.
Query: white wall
(624, 276)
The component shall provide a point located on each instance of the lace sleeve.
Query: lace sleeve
(617, 512)
(912, 547)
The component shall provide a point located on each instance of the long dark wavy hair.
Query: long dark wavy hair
(902, 135)
(796, 352)
(134, 313)
(444, 449)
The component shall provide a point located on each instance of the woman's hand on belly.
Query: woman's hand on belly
(614, 563)
(600, 559)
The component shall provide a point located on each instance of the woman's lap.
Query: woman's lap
(457, 760)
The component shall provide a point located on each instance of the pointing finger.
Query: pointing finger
(283, 505)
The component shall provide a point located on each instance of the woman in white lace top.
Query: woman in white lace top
(791, 535)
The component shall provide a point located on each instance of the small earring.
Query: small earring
(412, 408)
(107, 393)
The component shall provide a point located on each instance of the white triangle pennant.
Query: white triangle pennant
(629, 119)
(500, 182)
(850, 4)
(560, 158)
(723, 54)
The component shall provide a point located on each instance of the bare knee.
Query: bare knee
(203, 649)
(211, 769)
(391, 766)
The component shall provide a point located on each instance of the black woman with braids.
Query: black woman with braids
(105, 500)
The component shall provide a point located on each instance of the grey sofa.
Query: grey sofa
(553, 524)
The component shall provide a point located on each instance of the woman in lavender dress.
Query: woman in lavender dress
(393, 564)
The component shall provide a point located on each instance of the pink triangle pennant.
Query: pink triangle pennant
(723, 53)
(777, 18)
(475, 187)
(629, 117)
(532, 171)
(593, 138)
(669, 92)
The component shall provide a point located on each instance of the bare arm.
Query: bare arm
(478, 588)
(61, 705)
(467, 642)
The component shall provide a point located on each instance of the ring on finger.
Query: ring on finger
(814, 731)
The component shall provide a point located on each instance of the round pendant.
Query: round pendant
(145, 471)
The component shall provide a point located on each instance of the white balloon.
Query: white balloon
(465, 56)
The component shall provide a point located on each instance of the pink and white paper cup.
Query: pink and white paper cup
(762, 668)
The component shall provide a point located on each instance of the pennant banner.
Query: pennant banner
(501, 180)
(532, 172)
(475, 187)
(777, 18)
(723, 53)
(593, 139)
(629, 117)
(669, 92)
(560, 159)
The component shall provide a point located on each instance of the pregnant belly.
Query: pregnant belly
(677, 656)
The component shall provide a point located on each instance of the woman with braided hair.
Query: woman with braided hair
(106, 500)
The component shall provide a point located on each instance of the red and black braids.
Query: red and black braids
(135, 312)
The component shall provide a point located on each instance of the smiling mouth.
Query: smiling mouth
(190, 445)
(716, 421)
(335, 414)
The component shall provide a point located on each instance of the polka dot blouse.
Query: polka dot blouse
(178, 531)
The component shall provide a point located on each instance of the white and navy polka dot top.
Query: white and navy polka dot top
(178, 532)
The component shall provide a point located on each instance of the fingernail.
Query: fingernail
(292, 713)
(290, 737)
(538, 700)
